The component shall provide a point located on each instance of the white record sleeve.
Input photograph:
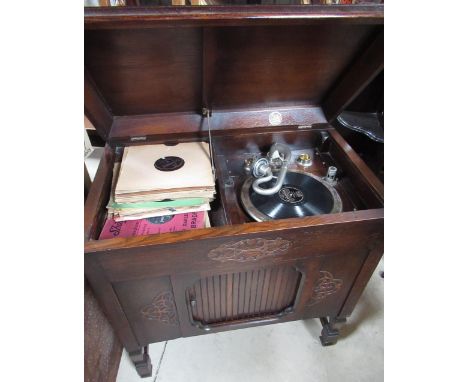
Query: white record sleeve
(138, 172)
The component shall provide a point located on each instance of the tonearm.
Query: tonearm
(262, 168)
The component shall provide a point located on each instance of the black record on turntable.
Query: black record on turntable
(302, 194)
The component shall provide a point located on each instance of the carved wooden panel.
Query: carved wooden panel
(249, 294)
(249, 250)
(162, 309)
(325, 286)
(150, 307)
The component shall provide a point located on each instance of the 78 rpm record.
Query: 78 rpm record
(302, 194)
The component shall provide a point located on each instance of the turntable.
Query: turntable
(302, 194)
(288, 194)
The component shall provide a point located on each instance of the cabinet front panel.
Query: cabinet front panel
(239, 247)
(219, 283)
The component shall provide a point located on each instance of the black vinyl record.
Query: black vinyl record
(301, 195)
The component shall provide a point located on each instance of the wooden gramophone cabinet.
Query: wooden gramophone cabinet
(262, 75)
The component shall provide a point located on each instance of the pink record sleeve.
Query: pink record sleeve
(150, 226)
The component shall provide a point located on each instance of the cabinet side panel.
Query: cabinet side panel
(105, 294)
(374, 255)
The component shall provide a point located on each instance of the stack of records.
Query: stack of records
(162, 180)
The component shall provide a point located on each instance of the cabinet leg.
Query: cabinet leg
(330, 333)
(142, 362)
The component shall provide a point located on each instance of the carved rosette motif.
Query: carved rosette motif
(325, 286)
(161, 309)
(249, 250)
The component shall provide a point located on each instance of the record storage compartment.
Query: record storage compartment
(238, 273)
(230, 153)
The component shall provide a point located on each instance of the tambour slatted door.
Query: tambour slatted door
(235, 297)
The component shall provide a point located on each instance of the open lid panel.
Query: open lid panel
(152, 71)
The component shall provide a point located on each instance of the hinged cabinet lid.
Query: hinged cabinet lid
(145, 67)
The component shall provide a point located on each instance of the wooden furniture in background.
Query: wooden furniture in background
(371, 100)
(102, 349)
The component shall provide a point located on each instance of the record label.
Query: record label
(169, 163)
(292, 195)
